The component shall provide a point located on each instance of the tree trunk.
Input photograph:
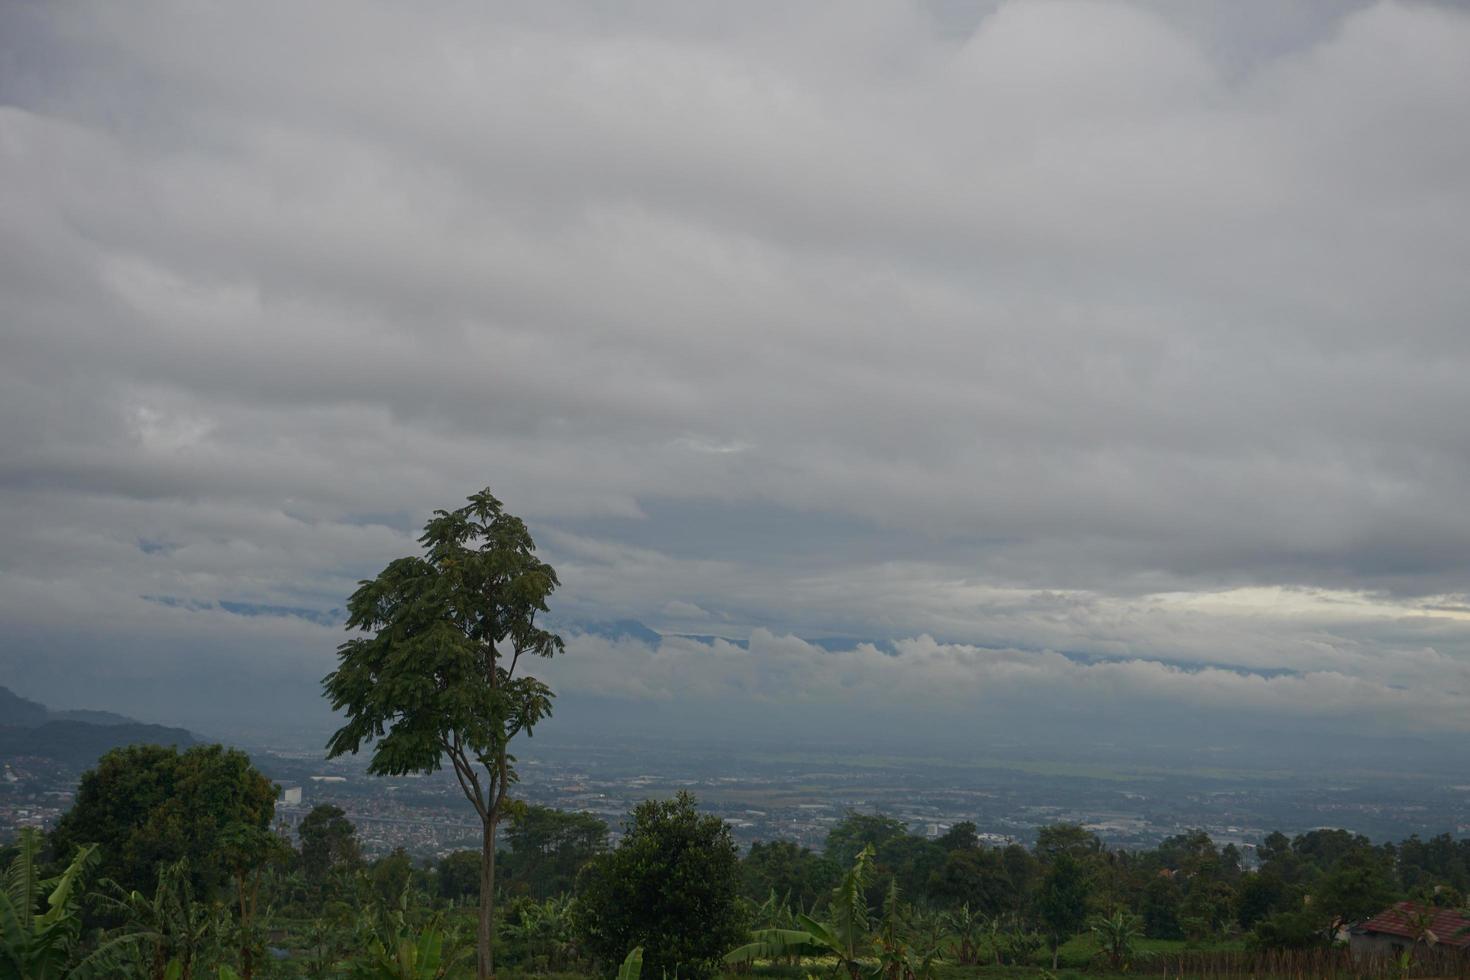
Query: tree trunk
(1055, 951)
(247, 961)
(487, 901)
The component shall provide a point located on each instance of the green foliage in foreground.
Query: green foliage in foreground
(39, 926)
(671, 887)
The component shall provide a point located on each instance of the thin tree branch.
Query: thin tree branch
(469, 783)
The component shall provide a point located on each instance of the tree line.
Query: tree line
(169, 865)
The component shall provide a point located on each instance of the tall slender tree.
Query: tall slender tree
(1061, 904)
(437, 678)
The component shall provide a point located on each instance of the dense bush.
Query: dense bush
(672, 886)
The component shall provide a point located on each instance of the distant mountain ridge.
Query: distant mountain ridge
(16, 711)
(632, 629)
(77, 737)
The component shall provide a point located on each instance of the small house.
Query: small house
(1408, 923)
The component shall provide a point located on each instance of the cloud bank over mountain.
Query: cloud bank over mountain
(1056, 350)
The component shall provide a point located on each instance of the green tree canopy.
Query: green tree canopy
(789, 870)
(1066, 838)
(391, 874)
(672, 886)
(459, 875)
(975, 877)
(1061, 904)
(147, 806)
(328, 843)
(548, 847)
(855, 831)
(963, 836)
(1354, 891)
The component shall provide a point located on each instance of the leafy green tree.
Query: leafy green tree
(672, 886)
(1230, 862)
(328, 843)
(1192, 853)
(1061, 904)
(247, 852)
(1024, 872)
(1357, 890)
(963, 836)
(1275, 847)
(548, 847)
(391, 875)
(438, 676)
(1428, 865)
(1118, 877)
(855, 831)
(910, 862)
(1159, 905)
(786, 869)
(148, 806)
(1066, 838)
(976, 878)
(1206, 909)
(1303, 928)
(1328, 848)
(1263, 894)
(459, 875)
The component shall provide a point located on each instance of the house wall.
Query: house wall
(1385, 944)
(1377, 944)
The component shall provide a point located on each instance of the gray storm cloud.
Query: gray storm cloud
(1125, 330)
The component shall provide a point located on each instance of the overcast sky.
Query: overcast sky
(1102, 353)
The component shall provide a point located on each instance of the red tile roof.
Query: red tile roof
(1450, 928)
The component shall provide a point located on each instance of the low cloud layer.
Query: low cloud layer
(1125, 339)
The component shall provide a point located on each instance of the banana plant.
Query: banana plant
(993, 933)
(542, 931)
(326, 940)
(632, 968)
(1116, 936)
(965, 928)
(776, 912)
(897, 941)
(167, 936)
(36, 944)
(1019, 942)
(433, 954)
(846, 936)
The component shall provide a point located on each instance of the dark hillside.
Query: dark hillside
(79, 744)
(16, 710)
